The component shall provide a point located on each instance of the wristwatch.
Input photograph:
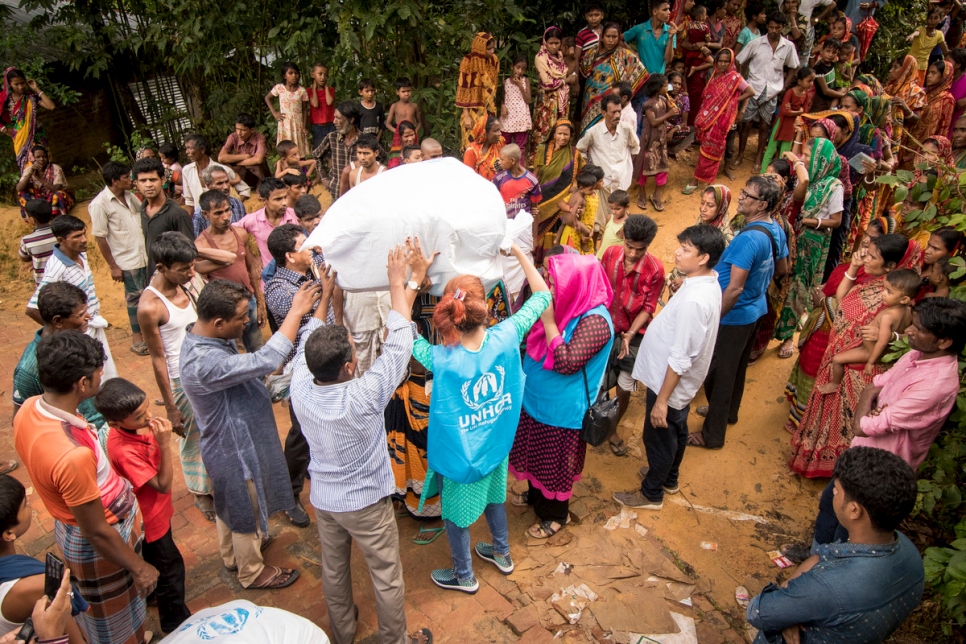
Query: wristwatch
(414, 285)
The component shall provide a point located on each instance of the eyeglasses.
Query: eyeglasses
(744, 195)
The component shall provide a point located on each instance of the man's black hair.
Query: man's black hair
(66, 357)
(118, 399)
(268, 185)
(945, 318)
(640, 229)
(768, 190)
(350, 110)
(12, 495)
(148, 165)
(881, 482)
(64, 225)
(708, 240)
(198, 141)
(307, 205)
(219, 299)
(39, 210)
(245, 119)
(609, 99)
(210, 199)
(282, 241)
(326, 351)
(777, 17)
(113, 171)
(173, 247)
(59, 299)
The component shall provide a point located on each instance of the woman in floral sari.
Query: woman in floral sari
(44, 180)
(478, 80)
(18, 113)
(723, 101)
(908, 99)
(821, 212)
(605, 66)
(556, 164)
(825, 430)
(483, 151)
(936, 118)
(551, 67)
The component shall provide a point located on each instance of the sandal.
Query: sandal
(689, 189)
(546, 528)
(422, 636)
(419, 540)
(283, 578)
(209, 515)
(140, 348)
(619, 448)
(658, 206)
(642, 206)
(695, 439)
(521, 500)
(786, 352)
(8, 466)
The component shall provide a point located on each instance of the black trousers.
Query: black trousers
(164, 555)
(547, 509)
(725, 383)
(297, 455)
(664, 447)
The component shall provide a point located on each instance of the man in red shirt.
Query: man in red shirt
(94, 509)
(637, 278)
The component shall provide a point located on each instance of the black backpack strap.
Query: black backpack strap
(767, 233)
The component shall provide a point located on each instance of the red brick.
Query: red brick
(494, 602)
(524, 619)
(536, 635)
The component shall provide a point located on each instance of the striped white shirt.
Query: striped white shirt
(61, 268)
(345, 425)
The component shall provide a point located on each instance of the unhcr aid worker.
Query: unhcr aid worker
(477, 397)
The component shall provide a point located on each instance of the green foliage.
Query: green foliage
(896, 21)
(942, 486)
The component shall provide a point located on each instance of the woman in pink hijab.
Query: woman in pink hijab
(567, 353)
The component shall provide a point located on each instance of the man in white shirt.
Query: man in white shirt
(673, 362)
(116, 225)
(196, 148)
(611, 145)
(770, 64)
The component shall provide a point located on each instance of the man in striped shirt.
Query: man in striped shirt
(38, 246)
(343, 420)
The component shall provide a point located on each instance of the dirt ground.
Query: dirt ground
(742, 498)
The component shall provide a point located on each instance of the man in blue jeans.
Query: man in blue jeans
(862, 590)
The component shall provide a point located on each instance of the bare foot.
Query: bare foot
(828, 388)
(730, 172)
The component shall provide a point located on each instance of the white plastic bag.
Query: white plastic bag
(448, 206)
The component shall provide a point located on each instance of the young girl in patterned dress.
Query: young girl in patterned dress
(515, 115)
(293, 108)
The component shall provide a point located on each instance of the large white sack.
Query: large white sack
(449, 207)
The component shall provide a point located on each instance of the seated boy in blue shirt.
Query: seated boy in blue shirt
(861, 590)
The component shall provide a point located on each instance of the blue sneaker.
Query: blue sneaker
(503, 562)
(446, 578)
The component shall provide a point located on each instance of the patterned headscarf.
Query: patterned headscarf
(824, 167)
(906, 86)
(551, 140)
(945, 152)
(945, 82)
(829, 126)
(722, 198)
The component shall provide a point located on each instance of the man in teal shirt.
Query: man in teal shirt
(655, 39)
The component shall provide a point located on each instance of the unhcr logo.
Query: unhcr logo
(486, 398)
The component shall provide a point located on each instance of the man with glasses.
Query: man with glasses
(746, 268)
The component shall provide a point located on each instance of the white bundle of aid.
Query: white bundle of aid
(443, 202)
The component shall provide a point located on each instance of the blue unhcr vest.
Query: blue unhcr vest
(557, 400)
(475, 406)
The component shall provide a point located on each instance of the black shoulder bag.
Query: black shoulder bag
(600, 420)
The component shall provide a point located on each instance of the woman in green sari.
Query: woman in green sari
(821, 212)
(556, 164)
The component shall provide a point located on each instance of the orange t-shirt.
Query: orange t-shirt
(66, 463)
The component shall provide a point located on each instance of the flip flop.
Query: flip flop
(8, 466)
(657, 206)
(140, 348)
(785, 353)
(693, 442)
(521, 500)
(425, 541)
(414, 637)
(283, 578)
(689, 190)
(642, 206)
(619, 448)
(209, 515)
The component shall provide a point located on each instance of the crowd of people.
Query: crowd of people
(401, 399)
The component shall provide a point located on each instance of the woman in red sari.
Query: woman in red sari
(825, 430)
(936, 117)
(722, 103)
(908, 99)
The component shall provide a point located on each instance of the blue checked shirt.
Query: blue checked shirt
(345, 425)
(280, 291)
(237, 212)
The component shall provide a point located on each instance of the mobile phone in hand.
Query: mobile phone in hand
(53, 575)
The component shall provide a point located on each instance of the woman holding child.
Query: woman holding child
(478, 80)
(556, 164)
(825, 430)
(605, 66)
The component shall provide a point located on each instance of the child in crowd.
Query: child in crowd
(515, 116)
(139, 449)
(404, 135)
(569, 51)
(796, 102)
(596, 211)
(925, 39)
(901, 286)
(628, 115)
(846, 66)
(826, 96)
(293, 108)
(654, 163)
(412, 154)
(677, 65)
(679, 134)
(699, 35)
(298, 187)
(404, 110)
(573, 231)
(169, 154)
(321, 104)
(38, 246)
(589, 35)
(756, 17)
(290, 162)
(838, 30)
(372, 117)
(613, 235)
(941, 278)
(367, 164)
(519, 187)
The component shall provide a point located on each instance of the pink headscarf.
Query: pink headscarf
(579, 284)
